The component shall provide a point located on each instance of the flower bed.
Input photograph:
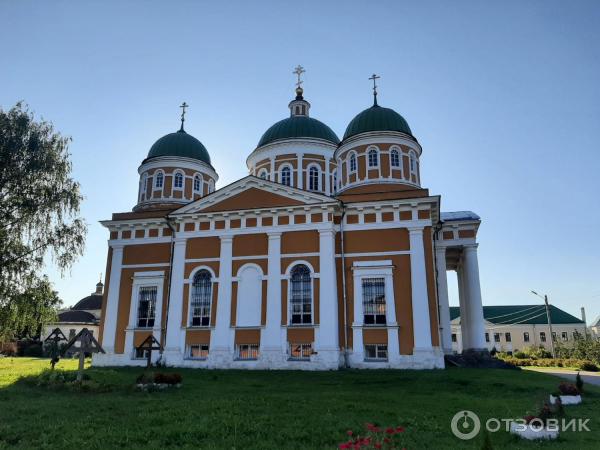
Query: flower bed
(158, 381)
(568, 394)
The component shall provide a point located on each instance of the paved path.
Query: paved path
(588, 377)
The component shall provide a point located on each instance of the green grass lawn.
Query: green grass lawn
(273, 410)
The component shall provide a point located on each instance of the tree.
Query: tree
(26, 314)
(39, 202)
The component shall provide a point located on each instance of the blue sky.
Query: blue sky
(503, 96)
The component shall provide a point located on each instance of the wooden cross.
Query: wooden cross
(150, 343)
(183, 106)
(374, 77)
(299, 70)
(88, 344)
(55, 337)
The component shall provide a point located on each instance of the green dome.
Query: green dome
(298, 127)
(179, 144)
(377, 118)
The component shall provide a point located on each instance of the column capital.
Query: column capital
(327, 231)
(416, 229)
(440, 249)
(274, 235)
(226, 238)
(470, 247)
(117, 246)
(180, 241)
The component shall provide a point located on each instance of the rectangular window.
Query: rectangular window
(141, 353)
(564, 336)
(198, 351)
(508, 337)
(542, 336)
(246, 351)
(300, 351)
(373, 290)
(496, 337)
(526, 336)
(554, 336)
(146, 306)
(487, 337)
(376, 352)
(453, 337)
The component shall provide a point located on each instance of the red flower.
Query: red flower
(377, 444)
(390, 430)
(399, 430)
(349, 432)
(387, 440)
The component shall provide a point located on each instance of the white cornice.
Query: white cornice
(379, 137)
(178, 162)
(297, 146)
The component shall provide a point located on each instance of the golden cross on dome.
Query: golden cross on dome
(183, 106)
(374, 77)
(299, 70)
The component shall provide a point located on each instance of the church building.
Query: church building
(329, 254)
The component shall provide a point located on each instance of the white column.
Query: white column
(327, 177)
(272, 177)
(420, 299)
(443, 302)
(112, 300)
(271, 335)
(391, 319)
(464, 313)
(328, 299)
(357, 337)
(476, 323)
(220, 337)
(173, 348)
(300, 174)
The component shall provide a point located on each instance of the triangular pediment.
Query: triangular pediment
(252, 193)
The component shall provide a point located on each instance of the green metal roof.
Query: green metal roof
(179, 144)
(377, 118)
(522, 314)
(298, 127)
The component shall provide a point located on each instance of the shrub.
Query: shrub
(566, 388)
(33, 349)
(520, 355)
(167, 378)
(588, 366)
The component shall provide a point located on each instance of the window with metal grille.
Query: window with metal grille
(159, 180)
(201, 299)
(496, 337)
(353, 163)
(373, 158)
(300, 295)
(376, 352)
(146, 306)
(300, 351)
(286, 176)
(197, 184)
(246, 351)
(373, 301)
(313, 179)
(507, 337)
(178, 180)
(198, 351)
(395, 158)
(141, 353)
(526, 337)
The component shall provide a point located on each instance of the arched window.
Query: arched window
(373, 158)
(334, 182)
(286, 176)
(201, 299)
(197, 184)
(395, 157)
(313, 179)
(300, 295)
(413, 162)
(352, 162)
(178, 183)
(262, 174)
(143, 185)
(159, 180)
(211, 186)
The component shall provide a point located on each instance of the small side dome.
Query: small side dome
(179, 144)
(377, 118)
(298, 127)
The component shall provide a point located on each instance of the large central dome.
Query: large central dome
(179, 144)
(377, 118)
(298, 127)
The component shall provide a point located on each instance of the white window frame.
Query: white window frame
(309, 170)
(412, 164)
(175, 187)
(188, 352)
(197, 177)
(370, 151)
(143, 187)
(162, 180)
(238, 348)
(306, 348)
(263, 174)
(291, 171)
(352, 156)
(190, 283)
(313, 275)
(374, 269)
(377, 350)
(211, 186)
